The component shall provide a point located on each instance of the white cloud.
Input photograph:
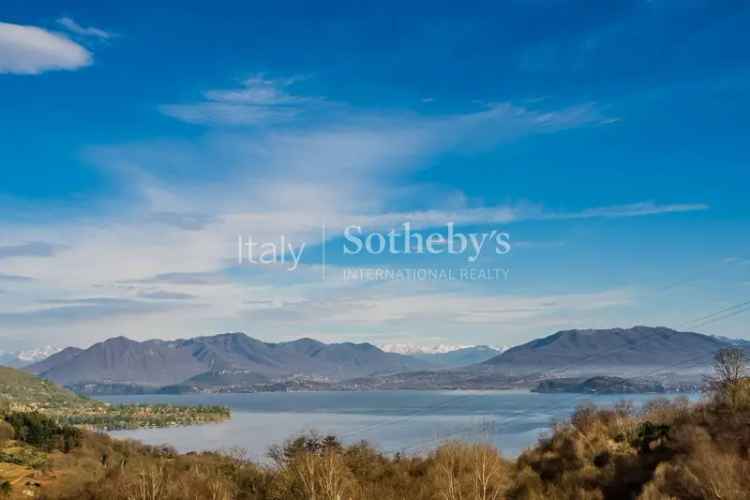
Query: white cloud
(194, 199)
(260, 91)
(408, 311)
(30, 50)
(30, 249)
(339, 165)
(72, 26)
(406, 302)
(163, 295)
(259, 101)
(630, 210)
(85, 310)
(215, 113)
(14, 278)
(509, 213)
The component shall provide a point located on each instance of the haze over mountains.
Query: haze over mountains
(235, 361)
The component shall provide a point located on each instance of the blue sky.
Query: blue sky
(137, 143)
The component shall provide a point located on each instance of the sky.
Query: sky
(139, 144)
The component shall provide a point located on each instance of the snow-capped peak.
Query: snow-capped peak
(409, 349)
(27, 356)
(34, 355)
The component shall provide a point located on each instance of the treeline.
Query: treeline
(135, 416)
(40, 431)
(665, 450)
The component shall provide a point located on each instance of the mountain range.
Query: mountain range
(158, 363)
(641, 356)
(237, 362)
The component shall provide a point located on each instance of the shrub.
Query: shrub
(669, 450)
(650, 436)
(6, 432)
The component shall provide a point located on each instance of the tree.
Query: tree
(729, 384)
(43, 432)
(730, 365)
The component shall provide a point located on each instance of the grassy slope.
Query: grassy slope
(18, 388)
(22, 392)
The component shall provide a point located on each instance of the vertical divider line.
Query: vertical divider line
(323, 249)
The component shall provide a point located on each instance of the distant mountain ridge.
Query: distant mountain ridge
(642, 356)
(446, 356)
(235, 362)
(460, 357)
(621, 351)
(121, 360)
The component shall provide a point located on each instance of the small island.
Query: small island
(599, 385)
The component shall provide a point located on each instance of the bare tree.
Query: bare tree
(489, 473)
(730, 375)
(150, 484)
(470, 472)
(323, 476)
(730, 365)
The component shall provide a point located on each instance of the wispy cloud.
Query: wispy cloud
(177, 241)
(356, 159)
(29, 50)
(164, 295)
(73, 27)
(15, 278)
(259, 101)
(196, 278)
(630, 210)
(402, 306)
(509, 214)
(30, 249)
(100, 301)
(218, 113)
(82, 310)
(261, 91)
(188, 221)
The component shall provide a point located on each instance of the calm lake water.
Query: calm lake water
(406, 421)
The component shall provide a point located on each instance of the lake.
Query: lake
(394, 421)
